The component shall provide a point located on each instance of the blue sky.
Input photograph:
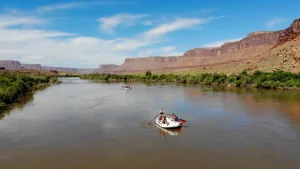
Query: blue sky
(86, 34)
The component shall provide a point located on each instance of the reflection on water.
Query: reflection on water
(172, 132)
(18, 105)
(86, 124)
(251, 99)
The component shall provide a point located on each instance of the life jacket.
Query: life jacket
(176, 118)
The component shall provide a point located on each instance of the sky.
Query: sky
(85, 34)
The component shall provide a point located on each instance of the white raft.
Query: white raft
(170, 125)
(126, 88)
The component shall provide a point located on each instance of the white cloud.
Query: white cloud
(61, 48)
(164, 51)
(168, 48)
(7, 21)
(56, 48)
(62, 6)
(220, 43)
(72, 5)
(179, 23)
(148, 23)
(17, 35)
(108, 24)
(207, 10)
(275, 21)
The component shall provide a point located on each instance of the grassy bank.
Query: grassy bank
(274, 80)
(14, 85)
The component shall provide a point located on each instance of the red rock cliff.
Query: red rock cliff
(107, 68)
(252, 40)
(145, 63)
(254, 44)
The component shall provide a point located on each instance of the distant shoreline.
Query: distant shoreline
(274, 80)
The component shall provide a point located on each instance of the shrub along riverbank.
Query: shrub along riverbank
(14, 85)
(274, 80)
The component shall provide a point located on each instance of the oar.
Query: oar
(153, 118)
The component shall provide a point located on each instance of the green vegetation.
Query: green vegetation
(274, 80)
(13, 85)
(148, 73)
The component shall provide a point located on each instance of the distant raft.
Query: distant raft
(126, 87)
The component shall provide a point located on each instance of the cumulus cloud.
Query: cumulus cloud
(60, 48)
(275, 21)
(109, 24)
(220, 43)
(25, 38)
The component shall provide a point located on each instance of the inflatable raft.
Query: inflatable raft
(169, 125)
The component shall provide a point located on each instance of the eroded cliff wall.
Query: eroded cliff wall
(10, 64)
(32, 66)
(106, 68)
(254, 45)
(72, 70)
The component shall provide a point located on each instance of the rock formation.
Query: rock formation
(256, 44)
(107, 68)
(10, 64)
(71, 70)
(16, 65)
(32, 66)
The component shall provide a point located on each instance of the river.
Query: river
(83, 124)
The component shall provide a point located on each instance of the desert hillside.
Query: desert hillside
(265, 51)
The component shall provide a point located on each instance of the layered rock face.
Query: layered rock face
(147, 63)
(290, 33)
(86, 71)
(254, 45)
(32, 66)
(106, 68)
(72, 70)
(10, 64)
(252, 40)
(60, 69)
(16, 65)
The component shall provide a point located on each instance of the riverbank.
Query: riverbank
(13, 85)
(268, 80)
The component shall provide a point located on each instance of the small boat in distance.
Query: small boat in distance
(126, 87)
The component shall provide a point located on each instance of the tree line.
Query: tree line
(259, 79)
(14, 85)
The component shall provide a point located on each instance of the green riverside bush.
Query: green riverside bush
(272, 80)
(13, 85)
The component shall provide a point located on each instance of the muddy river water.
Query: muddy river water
(81, 124)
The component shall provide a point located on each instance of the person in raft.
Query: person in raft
(174, 117)
(165, 120)
(161, 114)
